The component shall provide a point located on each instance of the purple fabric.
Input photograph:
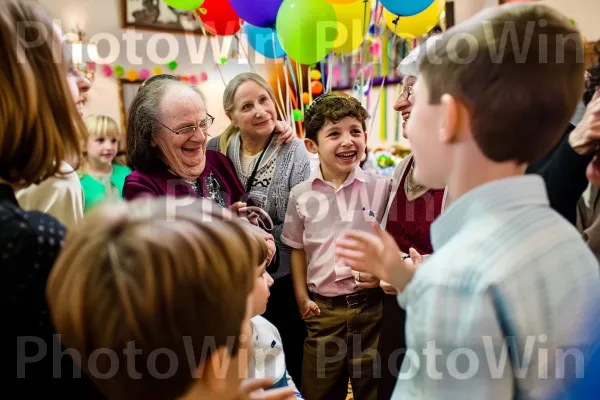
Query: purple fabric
(164, 183)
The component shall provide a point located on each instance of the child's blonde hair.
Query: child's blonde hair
(102, 126)
(163, 279)
(260, 247)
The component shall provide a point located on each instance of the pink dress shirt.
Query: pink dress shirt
(318, 214)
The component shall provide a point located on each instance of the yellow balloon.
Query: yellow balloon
(416, 25)
(340, 1)
(351, 25)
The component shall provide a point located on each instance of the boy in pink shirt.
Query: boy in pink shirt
(341, 308)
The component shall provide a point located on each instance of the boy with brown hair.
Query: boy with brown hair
(156, 305)
(491, 314)
(343, 310)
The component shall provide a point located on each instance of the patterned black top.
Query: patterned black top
(29, 244)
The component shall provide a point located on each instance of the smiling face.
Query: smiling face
(405, 101)
(102, 150)
(254, 110)
(184, 153)
(340, 147)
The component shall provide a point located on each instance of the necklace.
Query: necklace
(409, 186)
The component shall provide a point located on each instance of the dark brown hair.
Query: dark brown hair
(177, 280)
(520, 103)
(39, 123)
(142, 122)
(593, 82)
(332, 107)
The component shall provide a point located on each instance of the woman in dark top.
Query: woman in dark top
(39, 125)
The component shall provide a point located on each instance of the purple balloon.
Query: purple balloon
(262, 13)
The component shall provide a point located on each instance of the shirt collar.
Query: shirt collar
(501, 195)
(356, 174)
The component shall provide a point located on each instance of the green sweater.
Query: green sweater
(94, 191)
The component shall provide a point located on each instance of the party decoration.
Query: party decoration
(220, 19)
(305, 98)
(305, 29)
(341, 1)
(260, 13)
(194, 80)
(417, 25)
(316, 88)
(157, 71)
(119, 71)
(261, 40)
(186, 5)
(375, 48)
(144, 74)
(353, 21)
(297, 115)
(107, 71)
(132, 75)
(223, 60)
(203, 77)
(406, 8)
(172, 65)
(315, 75)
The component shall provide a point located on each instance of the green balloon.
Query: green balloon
(186, 5)
(306, 29)
(297, 115)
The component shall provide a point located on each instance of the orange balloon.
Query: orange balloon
(305, 98)
(316, 87)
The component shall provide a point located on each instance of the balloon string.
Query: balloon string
(245, 53)
(293, 76)
(301, 87)
(221, 73)
(330, 77)
(280, 93)
(287, 91)
(383, 80)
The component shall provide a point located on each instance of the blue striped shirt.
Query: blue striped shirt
(493, 313)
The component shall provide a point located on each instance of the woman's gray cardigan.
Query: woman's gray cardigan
(292, 167)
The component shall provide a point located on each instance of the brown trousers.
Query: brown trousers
(342, 344)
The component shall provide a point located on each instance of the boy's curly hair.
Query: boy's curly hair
(332, 107)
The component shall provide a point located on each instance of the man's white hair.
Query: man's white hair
(409, 66)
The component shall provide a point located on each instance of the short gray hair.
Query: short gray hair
(142, 123)
(409, 66)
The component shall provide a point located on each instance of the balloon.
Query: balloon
(406, 7)
(261, 13)
(341, 1)
(306, 29)
(297, 115)
(315, 75)
(305, 98)
(417, 25)
(316, 87)
(220, 18)
(187, 5)
(353, 21)
(261, 40)
(144, 74)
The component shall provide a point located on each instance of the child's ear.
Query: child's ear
(366, 137)
(450, 120)
(311, 146)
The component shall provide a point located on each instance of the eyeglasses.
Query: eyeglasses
(190, 129)
(407, 91)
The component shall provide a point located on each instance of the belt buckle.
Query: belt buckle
(352, 300)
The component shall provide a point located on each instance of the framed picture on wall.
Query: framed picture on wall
(127, 92)
(156, 15)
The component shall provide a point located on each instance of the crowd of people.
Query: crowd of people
(228, 268)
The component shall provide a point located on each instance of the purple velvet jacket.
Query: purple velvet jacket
(218, 181)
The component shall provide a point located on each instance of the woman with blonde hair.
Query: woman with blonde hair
(165, 294)
(102, 179)
(39, 126)
(268, 169)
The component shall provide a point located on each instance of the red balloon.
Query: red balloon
(220, 18)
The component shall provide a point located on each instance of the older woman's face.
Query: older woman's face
(404, 103)
(254, 110)
(181, 106)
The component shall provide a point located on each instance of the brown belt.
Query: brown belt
(350, 300)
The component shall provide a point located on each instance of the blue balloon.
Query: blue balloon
(406, 8)
(262, 13)
(261, 40)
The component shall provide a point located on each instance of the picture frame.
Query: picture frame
(157, 16)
